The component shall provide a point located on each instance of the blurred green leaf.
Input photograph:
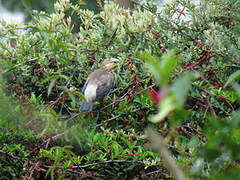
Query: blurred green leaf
(236, 87)
(72, 96)
(51, 86)
(80, 95)
(176, 96)
(161, 69)
(165, 107)
(181, 86)
(232, 78)
(152, 64)
(167, 65)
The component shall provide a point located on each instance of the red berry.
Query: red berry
(109, 146)
(57, 172)
(70, 165)
(133, 76)
(136, 154)
(130, 67)
(130, 154)
(169, 142)
(93, 150)
(129, 139)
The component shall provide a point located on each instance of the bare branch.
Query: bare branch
(157, 143)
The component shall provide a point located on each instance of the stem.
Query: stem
(157, 143)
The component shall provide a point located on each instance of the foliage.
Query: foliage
(45, 65)
(31, 6)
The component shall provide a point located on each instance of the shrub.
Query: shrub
(45, 66)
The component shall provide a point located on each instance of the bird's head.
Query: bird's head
(110, 64)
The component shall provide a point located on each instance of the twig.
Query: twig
(142, 6)
(122, 97)
(157, 143)
(210, 107)
(220, 96)
(20, 64)
(54, 138)
(115, 117)
(149, 174)
(119, 99)
(15, 157)
(143, 137)
(98, 163)
(205, 112)
(233, 66)
(112, 37)
(217, 96)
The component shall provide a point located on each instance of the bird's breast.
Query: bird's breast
(90, 92)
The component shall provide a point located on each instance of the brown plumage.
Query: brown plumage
(99, 83)
(125, 4)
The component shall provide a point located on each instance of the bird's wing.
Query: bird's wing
(84, 87)
(103, 81)
(105, 86)
(98, 85)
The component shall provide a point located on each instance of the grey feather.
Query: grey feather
(86, 106)
(99, 83)
(104, 89)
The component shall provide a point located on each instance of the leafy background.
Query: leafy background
(171, 77)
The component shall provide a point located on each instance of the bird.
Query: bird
(98, 84)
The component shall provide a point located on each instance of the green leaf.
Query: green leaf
(235, 122)
(69, 153)
(50, 170)
(72, 96)
(55, 77)
(48, 79)
(165, 107)
(236, 87)
(51, 86)
(167, 65)
(64, 77)
(152, 64)
(181, 86)
(28, 2)
(80, 95)
(161, 70)
(232, 78)
(176, 97)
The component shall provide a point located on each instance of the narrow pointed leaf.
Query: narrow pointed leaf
(166, 66)
(51, 86)
(235, 76)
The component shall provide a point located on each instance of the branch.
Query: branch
(157, 143)
(98, 163)
(117, 116)
(210, 107)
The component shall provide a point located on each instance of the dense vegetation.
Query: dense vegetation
(178, 75)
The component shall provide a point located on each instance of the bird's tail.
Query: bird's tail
(86, 106)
